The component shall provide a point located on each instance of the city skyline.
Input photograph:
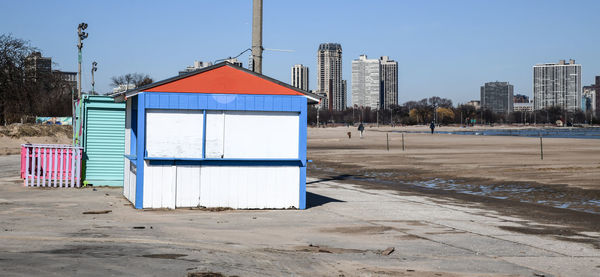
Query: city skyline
(429, 40)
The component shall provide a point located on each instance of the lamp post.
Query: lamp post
(94, 69)
(82, 35)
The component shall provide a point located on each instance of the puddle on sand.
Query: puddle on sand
(553, 196)
(543, 195)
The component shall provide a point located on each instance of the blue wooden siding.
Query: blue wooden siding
(221, 102)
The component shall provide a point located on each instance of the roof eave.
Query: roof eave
(312, 98)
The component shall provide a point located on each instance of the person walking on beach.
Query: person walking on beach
(361, 129)
(432, 127)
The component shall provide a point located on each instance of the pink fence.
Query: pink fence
(51, 165)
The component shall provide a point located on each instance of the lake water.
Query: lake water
(579, 133)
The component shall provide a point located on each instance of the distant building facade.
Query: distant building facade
(197, 65)
(389, 81)
(588, 99)
(125, 87)
(475, 103)
(39, 67)
(520, 98)
(591, 97)
(36, 65)
(366, 82)
(329, 76)
(523, 107)
(497, 97)
(300, 77)
(374, 82)
(235, 62)
(70, 78)
(557, 85)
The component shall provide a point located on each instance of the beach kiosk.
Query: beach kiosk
(221, 136)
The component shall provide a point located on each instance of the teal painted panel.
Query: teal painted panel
(104, 141)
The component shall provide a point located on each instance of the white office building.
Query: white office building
(300, 77)
(557, 85)
(366, 82)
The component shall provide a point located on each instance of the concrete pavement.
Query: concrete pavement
(344, 231)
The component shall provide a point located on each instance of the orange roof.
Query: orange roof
(227, 79)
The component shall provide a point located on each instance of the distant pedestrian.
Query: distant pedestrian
(361, 129)
(432, 127)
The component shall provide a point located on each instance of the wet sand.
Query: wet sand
(501, 174)
(570, 162)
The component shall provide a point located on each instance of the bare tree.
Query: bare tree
(135, 79)
(22, 93)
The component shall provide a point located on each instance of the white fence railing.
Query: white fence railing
(51, 165)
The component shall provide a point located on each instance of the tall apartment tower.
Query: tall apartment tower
(329, 76)
(300, 77)
(497, 97)
(557, 85)
(374, 82)
(389, 82)
(366, 82)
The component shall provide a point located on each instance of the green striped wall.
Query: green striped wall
(104, 141)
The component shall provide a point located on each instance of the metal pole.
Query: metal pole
(402, 141)
(82, 35)
(387, 139)
(79, 72)
(541, 147)
(257, 35)
(94, 68)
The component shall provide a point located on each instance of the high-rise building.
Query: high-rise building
(389, 81)
(374, 82)
(366, 82)
(329, 76)
(557, 85)
(300, 77)
(497, 97)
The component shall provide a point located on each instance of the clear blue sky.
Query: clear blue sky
(444, 48)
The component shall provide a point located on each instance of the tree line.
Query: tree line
(24, 95)
(442, 111)
(27, 91)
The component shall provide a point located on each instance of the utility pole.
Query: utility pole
(94, 69)
(82, 35)
(257, 36)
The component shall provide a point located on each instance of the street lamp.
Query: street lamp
(82, 35)
(94, 69)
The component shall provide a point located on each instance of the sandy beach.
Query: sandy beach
(567, 162)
